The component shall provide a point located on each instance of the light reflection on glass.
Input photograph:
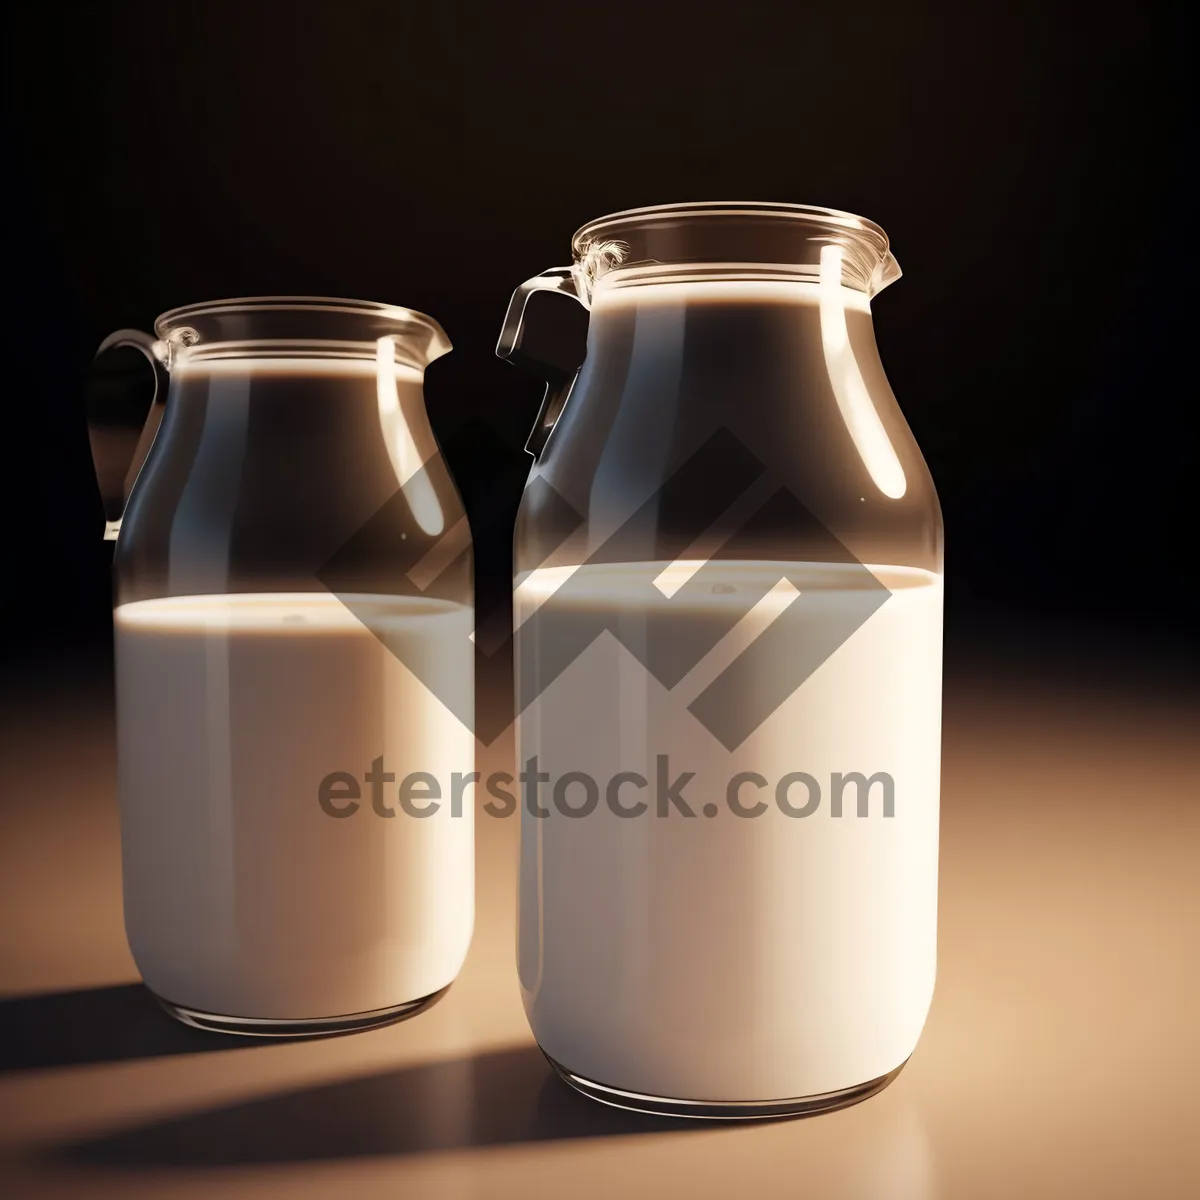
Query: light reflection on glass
(862, 421)
(401, 448)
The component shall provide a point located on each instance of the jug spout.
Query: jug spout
(887, 272)
(428, 341)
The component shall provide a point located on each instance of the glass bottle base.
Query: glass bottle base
(309, 1027)
(716, 1110)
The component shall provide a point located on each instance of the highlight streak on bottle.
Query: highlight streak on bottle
(401, 448)
(854, 401)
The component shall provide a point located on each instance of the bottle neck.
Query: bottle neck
(727, 341)
(726, 290)
(267, 471)
(339, 392)
(786, 373)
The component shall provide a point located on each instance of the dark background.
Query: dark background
(1027, 163)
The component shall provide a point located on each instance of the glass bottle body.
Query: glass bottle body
(728, 611)
(280, 675)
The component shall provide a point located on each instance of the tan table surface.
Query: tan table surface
(1061, 1057)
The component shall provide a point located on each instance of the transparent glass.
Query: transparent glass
(294, 606)
(728, 609)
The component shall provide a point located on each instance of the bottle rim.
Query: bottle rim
(317, 322)
(699, 209)
(734, 239)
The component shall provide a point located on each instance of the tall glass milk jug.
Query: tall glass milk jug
(294, 666)
(728, 602)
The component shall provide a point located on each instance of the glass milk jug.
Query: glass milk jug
(728, 608)
(294, 667)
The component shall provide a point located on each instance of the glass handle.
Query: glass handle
(120, 436)
(547, 353)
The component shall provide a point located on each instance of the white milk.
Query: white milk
(729, 958)
(242, 896)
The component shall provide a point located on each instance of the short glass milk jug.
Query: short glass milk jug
(728, 611)
(294, 666)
